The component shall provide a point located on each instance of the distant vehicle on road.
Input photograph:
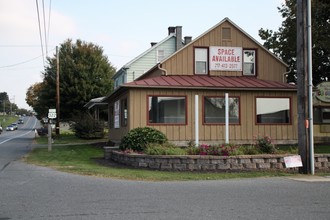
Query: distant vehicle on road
(15, 125)
(0, 129)
(12, 127)
(20, 121)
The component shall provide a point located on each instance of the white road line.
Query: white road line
(35, 123)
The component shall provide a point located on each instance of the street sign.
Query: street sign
(52, 115)
(52, 110)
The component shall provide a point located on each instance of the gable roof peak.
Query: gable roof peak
(226, 19)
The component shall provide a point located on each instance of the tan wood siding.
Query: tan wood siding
(244, 132)
(268, 67)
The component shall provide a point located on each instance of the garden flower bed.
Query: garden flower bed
(210, 163)
(149, 148)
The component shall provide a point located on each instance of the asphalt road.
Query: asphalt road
(31, 192)
(15, 144)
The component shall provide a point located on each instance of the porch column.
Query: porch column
(196, 121)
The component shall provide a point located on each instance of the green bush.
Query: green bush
(164, 149)
(264, 145)
(137, 139)
(249, 150)
(88, 128)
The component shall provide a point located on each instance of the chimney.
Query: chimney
(153, 44)
(178, 31)
(187, 40)
(171, 30)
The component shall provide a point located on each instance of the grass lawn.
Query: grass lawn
(84, 159)
(7, 120)
(81, 159)
(66, 138)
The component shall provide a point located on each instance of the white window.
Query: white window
(273, 110)
(201, 66)
(160, 55)
(249, 62)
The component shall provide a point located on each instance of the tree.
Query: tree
(32, 99)
(6, 105)
(85, 73)
(4, 100)
(283, 41)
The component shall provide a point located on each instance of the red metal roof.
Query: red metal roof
(210, 82)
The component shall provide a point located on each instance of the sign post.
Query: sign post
(51, 115)
(49, 136)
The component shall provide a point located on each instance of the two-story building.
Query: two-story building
(155, 54)
(184, 94)
(142, 63)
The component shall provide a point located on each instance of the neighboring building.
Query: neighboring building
(321, 114)
(142, 63)
(224, 59)
(94, 107)
(155, 54)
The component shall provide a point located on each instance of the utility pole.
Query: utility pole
(57, 93)
(302, 83)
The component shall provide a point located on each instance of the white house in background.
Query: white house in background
(156, 53)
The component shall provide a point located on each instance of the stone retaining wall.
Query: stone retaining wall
(210, 163)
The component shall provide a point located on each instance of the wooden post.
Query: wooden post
(57, 93)
(302, 83)
(49, 136)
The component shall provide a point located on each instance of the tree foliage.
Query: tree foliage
(6, 105)
(283, 41)
(85, 73)
(32, 98)
(4, 100)
(86, 127)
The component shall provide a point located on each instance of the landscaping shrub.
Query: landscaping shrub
(249, 150)
(137, 139)
(264, 145)
(215, 150)
(88, 128)
(164, 149)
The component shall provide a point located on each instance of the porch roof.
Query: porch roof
(211, 82)
(95, 102)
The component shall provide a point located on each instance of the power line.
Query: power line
(23, 62)
(49, 13)
(44, 18)
(16, 64)
(40, 35)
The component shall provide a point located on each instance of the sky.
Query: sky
(123, 28)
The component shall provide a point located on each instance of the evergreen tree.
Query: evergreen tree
(283, 41)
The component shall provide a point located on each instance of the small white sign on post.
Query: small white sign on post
(52, 113)
(293, 161)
